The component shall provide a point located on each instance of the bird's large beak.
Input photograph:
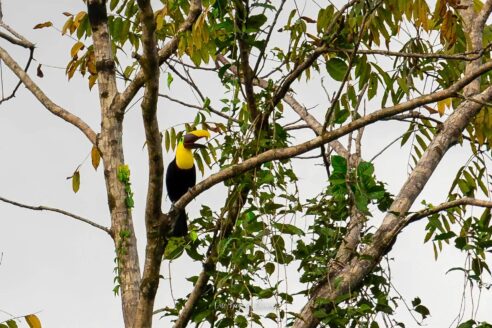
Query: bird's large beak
(190, 138)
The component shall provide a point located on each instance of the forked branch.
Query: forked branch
(44, 100)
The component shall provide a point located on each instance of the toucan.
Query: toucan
(181, 175)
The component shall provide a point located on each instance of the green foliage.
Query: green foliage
(124, 177)
(266, 226)
(121, 250)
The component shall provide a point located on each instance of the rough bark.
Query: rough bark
(156, 234)
(110, 143)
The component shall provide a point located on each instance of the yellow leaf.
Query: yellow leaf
(68, 24)
(96, 157)
(78, 18)
(76, 181)
(442, 104)
(42, 25)
(33, 321)
(423, 12)
(477, 5)
(72, 67)
(91, 63)
(76, 48)
(92, 81)
(159, 19)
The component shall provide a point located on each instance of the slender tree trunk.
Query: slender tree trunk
(110, 143)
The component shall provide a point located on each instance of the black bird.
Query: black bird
(181, 175)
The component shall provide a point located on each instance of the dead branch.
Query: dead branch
(56, 210)
(447, 205)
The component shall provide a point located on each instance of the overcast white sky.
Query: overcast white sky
(63, 270)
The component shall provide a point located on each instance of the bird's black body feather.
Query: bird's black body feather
(178, 181)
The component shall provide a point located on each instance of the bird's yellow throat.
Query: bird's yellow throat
(184, 157)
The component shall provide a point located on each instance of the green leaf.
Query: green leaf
(174, 248)
(241, 321)
(169, 80)
(445, 236)
(339, 164)
(336, 68)
(270, 268)
(254, 23)
(113, 4)
(200, 316)
(373, 86)
(422, 310)
(467, 324)
(365, 169)
(167, 140)
(288, 229)
(76, 181)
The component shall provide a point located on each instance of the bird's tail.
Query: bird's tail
(181, 227)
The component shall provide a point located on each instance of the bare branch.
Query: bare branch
(43, 99)
(209, 108)
(29, 60)
(18, 40)
(463, 56)
(22, 41)
(56, 210)
(269, 35)
(296, 127)
(445, 206)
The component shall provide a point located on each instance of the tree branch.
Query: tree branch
(155, 226)
(295, 105)
(296, 72)
(241, 16)
(463, 56)
(351, 276)
(224, 226)
(209, 108)
(56, 210)
(169, 49)
(44, 100)
(444, 206)
(288, 152)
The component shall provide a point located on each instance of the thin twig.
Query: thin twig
(444, 206)
(463, 56)
(56, 210)
(209, 108)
